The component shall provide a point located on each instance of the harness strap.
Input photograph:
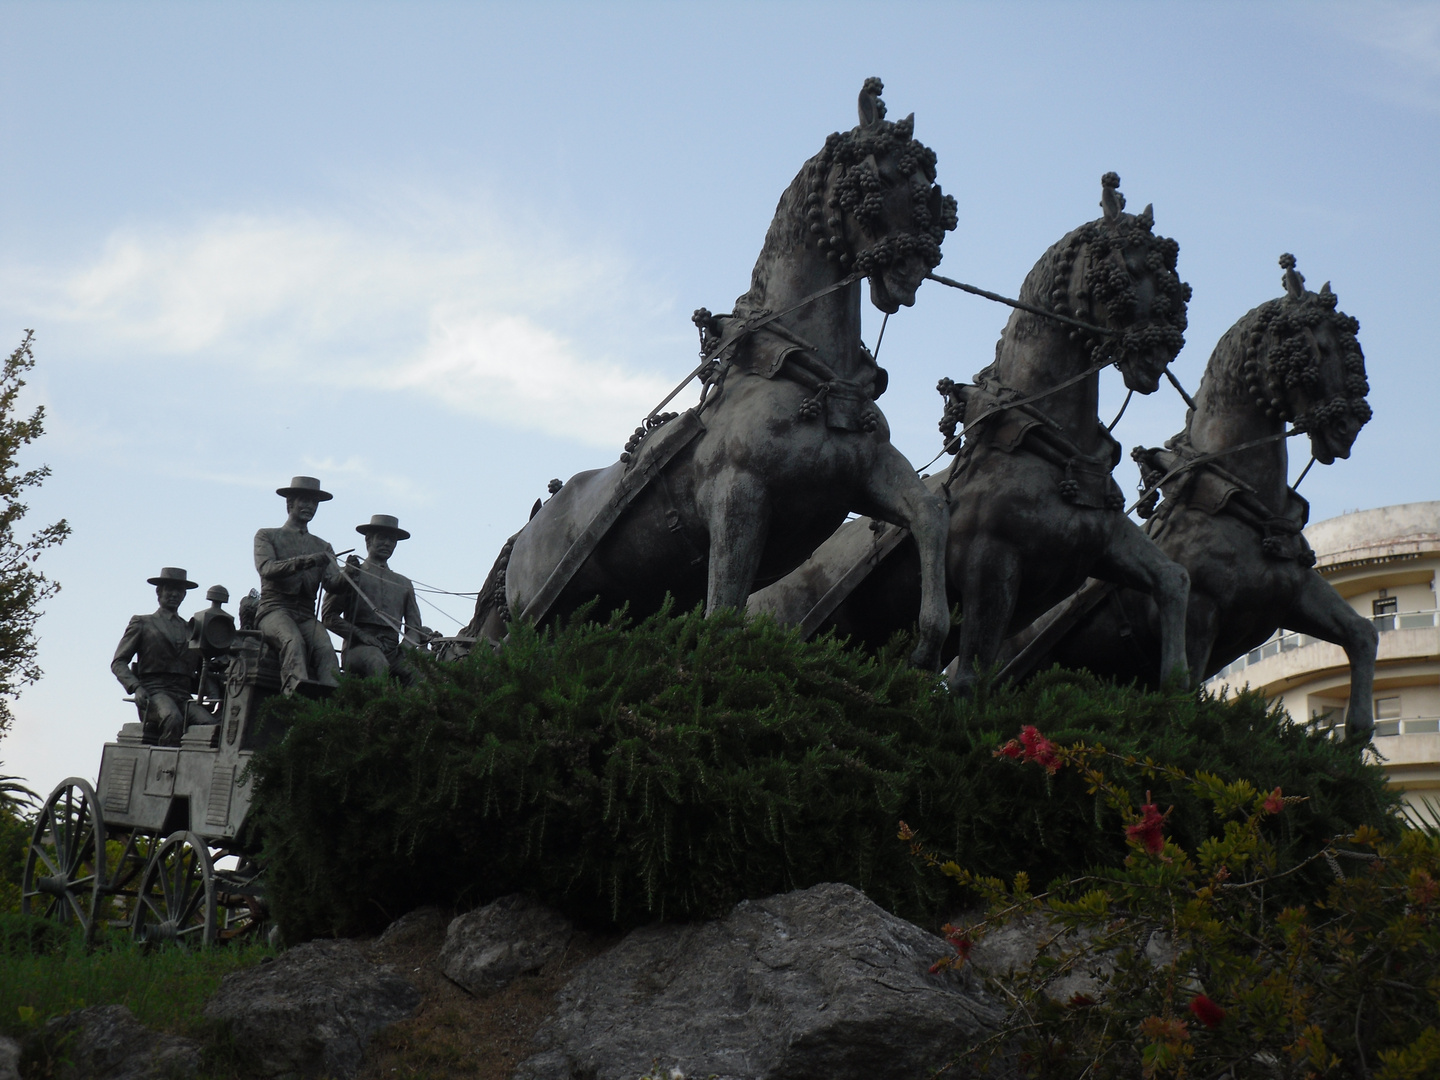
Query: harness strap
(735, 332)
(1186, 466)
(952, 445)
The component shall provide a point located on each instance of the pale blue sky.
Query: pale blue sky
(439, 253)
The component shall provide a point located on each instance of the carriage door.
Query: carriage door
(160, 777)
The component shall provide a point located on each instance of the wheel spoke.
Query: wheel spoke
(186, 873)
(166, 875)
(83, 842)
(43, 855)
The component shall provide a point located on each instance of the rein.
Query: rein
(1021, 305)
(749, 327)
(1057, 317)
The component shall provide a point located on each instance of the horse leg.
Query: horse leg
(739, 521)
(1132, 559)
(895, 494)
(1202, 623)
(1320, 612)
(990, 589)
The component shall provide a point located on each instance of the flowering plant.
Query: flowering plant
(1184, 964)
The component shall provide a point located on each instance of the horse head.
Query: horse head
(1115, 273)
(1302, 363)
(868, 202)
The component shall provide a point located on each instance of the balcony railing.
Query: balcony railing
(1284, 641)
(1418, 725)
(1329, 723)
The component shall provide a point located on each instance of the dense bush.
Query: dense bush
(672, 768)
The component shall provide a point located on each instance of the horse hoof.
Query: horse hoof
(926, 659)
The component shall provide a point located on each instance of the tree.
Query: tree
(23, 589)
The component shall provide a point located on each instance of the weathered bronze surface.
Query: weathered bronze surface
(1033, 510)
(1232, 521)
(293, 563)
(374, 607)
(162, 677)
(788, 437)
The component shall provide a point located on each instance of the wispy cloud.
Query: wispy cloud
(436, 299)
(1408, 37)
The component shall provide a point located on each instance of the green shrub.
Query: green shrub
(672, 768)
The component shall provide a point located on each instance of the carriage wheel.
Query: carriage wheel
(240, 908)
(65, 862)
(129, 856)
(176, 901)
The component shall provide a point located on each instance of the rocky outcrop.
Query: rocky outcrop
(9, 1059)
(312, 1011)
(487, 948)
(816, 983)
(415, 926)
(107, 1043)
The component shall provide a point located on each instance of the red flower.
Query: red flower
(960, 940)
(1038, 749)
(1274, 803)
(1147, 830)
(1206, 1011)
(1032, 746)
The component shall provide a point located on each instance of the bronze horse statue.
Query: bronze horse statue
(1229, 516)
(787, 438)
(1033, 508)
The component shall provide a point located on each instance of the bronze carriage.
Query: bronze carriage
(160, 843)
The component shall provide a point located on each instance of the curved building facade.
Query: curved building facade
(1384, 563)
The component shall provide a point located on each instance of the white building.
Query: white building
(1384, 563)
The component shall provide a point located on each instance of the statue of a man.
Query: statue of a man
(293, 563)
(375, 606)
(163, 675)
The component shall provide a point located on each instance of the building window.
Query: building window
(1382, 611)
(1387, 716)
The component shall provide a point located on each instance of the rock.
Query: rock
(1012, 948)
(817, 983)
(415, 926)
(487, 948)
(311, 1012)
(106, 1042)
(9, 1059)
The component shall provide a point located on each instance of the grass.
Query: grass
(46, 971)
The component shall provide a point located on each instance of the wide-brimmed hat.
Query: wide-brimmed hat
(384, 524)
(305, 485)
(173, 575)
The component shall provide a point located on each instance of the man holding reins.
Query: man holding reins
(293, 563)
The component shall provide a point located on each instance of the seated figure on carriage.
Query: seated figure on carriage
(162, 677)
(293, 563)
(374, 610)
